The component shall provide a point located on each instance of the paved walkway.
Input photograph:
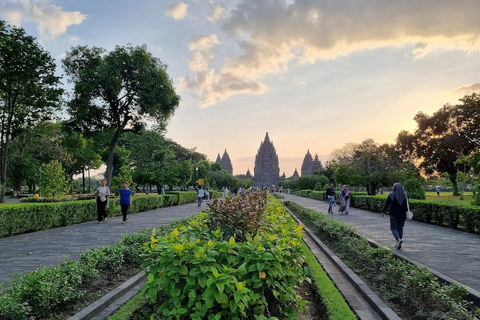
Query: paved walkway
(27, 252)
(453, 253)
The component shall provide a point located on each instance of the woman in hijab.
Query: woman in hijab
(397, 201)
(344, 200)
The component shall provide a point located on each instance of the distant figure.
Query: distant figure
(207, 194)
(438, 190)
(162, 191)
(344, 200)
(330, 198)
(125, 196)
(200, 196)
(102, 196)
(397, 201)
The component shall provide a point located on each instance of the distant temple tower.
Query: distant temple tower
(307, 164)
(295, 175)
(225, 162)
(316, 164)
(267, 169)
(248, 175)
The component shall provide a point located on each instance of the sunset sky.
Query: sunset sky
(314, 74)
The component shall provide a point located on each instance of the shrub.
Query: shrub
(194, 272)
(414, 189)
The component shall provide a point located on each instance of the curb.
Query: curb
(372, 299)
(98, 306)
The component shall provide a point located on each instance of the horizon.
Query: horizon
(315, 75)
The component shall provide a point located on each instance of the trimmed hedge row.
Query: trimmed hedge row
(31, 217)
(454, 216)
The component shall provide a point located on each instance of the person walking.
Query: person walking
(397, 201)
(125, 196)
(438, 190)
(102, 196)
(207, 194)
(330, 193)
(200, 195)
(344, 200)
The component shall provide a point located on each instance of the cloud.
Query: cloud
(202, 42)
(270, 36)
(215, 12)
(52, 20)
(467, 90)
(177, 11)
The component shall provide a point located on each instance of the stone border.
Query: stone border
(101, 304)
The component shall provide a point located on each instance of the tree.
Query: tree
(53, 182)
(367, 164)
(118, 90)
(29, 90)
(438, 142)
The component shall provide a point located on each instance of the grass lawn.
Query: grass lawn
(445, 197)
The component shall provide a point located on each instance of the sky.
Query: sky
(314, 74)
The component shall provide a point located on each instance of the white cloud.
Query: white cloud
(215, 12)
(52, 20)
(270, 36)
(177, 11)
(467, 90)
(202, 42)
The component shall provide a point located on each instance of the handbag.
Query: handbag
(103, 198)
(409, 213)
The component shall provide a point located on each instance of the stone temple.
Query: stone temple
(309, 165)
(267, 170)
(225, 162)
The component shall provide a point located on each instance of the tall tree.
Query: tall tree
(29, 89)
(438, 142)
(118, 90)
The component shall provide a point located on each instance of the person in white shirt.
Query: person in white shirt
(200, 196)
(102, 196)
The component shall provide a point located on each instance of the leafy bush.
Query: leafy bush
(237, 217)
(194, 272)
(414, 189)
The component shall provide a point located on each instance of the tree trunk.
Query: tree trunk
(83, 179)
(111, 155)
(453, 179)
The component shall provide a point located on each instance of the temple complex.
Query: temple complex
(248, 175)
(267, 169)
(295, 175)
(316, 164)
(307, 164)
(225, 162)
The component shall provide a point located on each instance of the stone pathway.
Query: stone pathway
(27, 252)
(453, 253)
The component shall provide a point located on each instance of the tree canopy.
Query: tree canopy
(118, 90)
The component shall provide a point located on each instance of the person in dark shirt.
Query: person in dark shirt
(330, 194)
(397, 201)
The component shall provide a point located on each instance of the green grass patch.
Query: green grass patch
(332, 298)
(126, 311)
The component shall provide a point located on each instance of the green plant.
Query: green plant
(194, 272)
(414, 189)
(53, 182)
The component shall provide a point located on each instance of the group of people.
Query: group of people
(102, 198)
(202, 194)
(397, 201)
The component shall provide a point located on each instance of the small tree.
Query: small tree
(125, 174)
(53, 181)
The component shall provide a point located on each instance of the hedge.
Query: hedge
(31, 217)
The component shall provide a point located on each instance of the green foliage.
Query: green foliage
(414, 189)
(237, 217)
(45, 288)
(194, 272)
(38, 293)
(398, 282)
(125, 174)
(53, 182)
